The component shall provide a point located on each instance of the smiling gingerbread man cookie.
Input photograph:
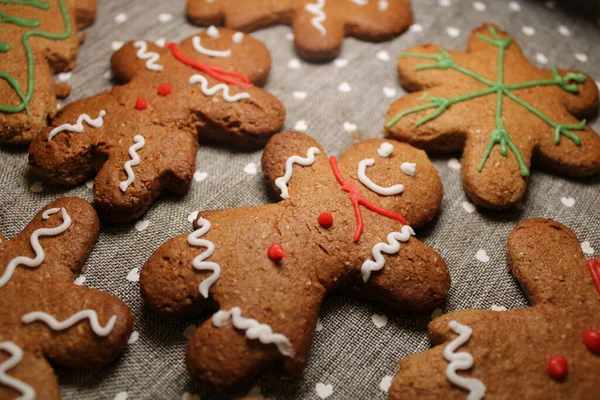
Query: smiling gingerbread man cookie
(340, 226)
(319, 25)
(141, 139)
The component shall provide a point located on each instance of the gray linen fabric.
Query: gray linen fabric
(352, 351)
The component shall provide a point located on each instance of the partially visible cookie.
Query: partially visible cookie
(319, 25)
(44, 317)
(502, 112)
(340, 226)
(141, 139)
(38, 38)
(549, 350)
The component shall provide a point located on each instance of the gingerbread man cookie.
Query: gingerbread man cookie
(549, 350)
(39, 38)
(319, 25)
(340, 226)
(141, 138)
(44, 317)
(500, 110)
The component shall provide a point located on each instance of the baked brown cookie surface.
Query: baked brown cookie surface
(39, 38)
(550, 350)
(140, 139)
(340, 226)
(502, 112)
(44, 316)
(319, 25)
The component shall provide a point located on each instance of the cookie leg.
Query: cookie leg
(30, 374)
(82, 327)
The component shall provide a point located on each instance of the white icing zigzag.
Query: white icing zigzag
(365, 180)
(71, 321)
(462, 361)
(319, 15)
(221, 86)
(254, 330)
(197, 43)
(282, 182)
(16, 355)
(135, 160)
(78, 127)
(150, 56)
(391, 247)
(194, 239)
(35, 245)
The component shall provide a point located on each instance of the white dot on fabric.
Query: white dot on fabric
(37, 187)
(250, 169)
(454, 164)
(563, 30)
(294, 63)
(116, 45)
(587, 248)
(379, 320)
(299, 95)
(165, 17)
(301, 126)
(340, 62)
(445, 3)
(385, 383)
(416, 28)
(389, 92)
(541, 58)
(199, 176)
(514, 6)
(134, 275)
(468, 207)
(453, 31)
(122, 396)
(135, 335)
(350, 127)
(581, 57)
(80, 280)
(479, 6)
(324, 390)
(344, 87)
(64, 76)
(528, 30)
(142, 225)
(482, 256)
(120, 18)
(567, 201)
(383, 55)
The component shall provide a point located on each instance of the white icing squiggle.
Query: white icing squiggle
(319, 15)
(49, 320)
(365, 180)
(78, 127)
(194, 239)
(408, 168)
(151, 56)
(40, 255)
(385, 150)
(135, 160)
(16, 356)
(213, 90)
(391, 247)
(254, 330)
(197, 43)
(282, 182)
(360, 2)
(462, 361)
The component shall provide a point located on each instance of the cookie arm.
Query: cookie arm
(81, 344)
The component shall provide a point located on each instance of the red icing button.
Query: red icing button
(275, 252)
(591, 338)
(164, 89)
(141, 104)
(325, 220)
(558, 367)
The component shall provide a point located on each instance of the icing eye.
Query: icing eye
(325, 220)
(558, 367)
(276, 253)
(164, 89)
(141, 104)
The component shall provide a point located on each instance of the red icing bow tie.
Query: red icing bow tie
(594, 267)
(358, 200)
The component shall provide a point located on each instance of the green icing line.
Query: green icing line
(4, 47)
(499, 136)
(34, 3)
(26, 97)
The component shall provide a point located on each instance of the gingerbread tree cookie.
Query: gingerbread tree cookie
(266, 269)
(39, 38)
(319, 25)
(141, 138)
(549, 350)
(44, 317)
(500, 110)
